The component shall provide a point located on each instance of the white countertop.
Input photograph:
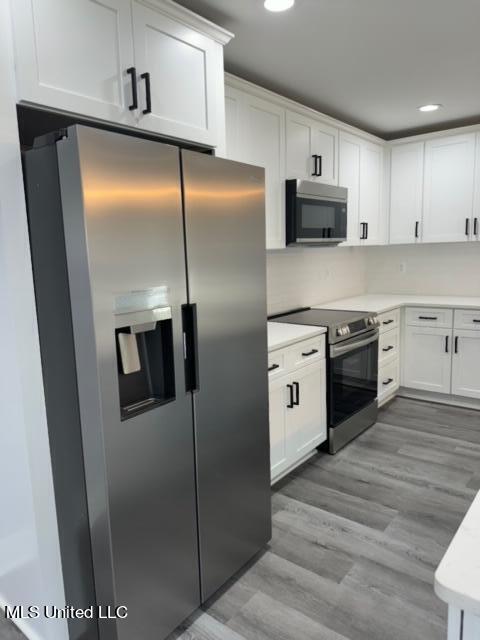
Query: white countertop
(283, 334)
(457, 579)
(379, 302)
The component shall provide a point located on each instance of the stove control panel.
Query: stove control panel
(372, 321)
(343, 331)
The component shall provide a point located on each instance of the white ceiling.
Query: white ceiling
(368, 62)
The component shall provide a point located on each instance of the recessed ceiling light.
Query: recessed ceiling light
(278, 5)
(429, 107)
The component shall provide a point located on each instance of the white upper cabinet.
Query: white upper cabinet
(371, 210)
(312, 149)
(264, 136)
(449, 188)
(234, 108)
(349, 177)
(475, 226)
(406, 193)
(81, 56)
(73, 55)
(361, 170)
(184, 68)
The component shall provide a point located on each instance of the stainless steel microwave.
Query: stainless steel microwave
(316, 213)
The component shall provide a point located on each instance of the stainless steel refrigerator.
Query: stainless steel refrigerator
(149, 269)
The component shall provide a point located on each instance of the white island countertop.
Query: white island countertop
(380, 302)
(457, 579)
(283, 334)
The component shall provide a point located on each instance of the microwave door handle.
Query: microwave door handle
(342, 349)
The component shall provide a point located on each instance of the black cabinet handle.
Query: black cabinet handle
(388, 321)
(416, 228)
(366, 237)
(428, 317)
(363, 236)
(475, 320)
(310, 353)
(475, 226)
(273, 367)
(133, 74)
(467, 226)
(148, 96)
(446, 344)
(315, 157)
(385, 382)
(189, 321)
(319, 166)
(389, 348)
(297, 394)
(456, 344)
(291, 403)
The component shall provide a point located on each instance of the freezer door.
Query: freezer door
(225, 235)
(123, 222)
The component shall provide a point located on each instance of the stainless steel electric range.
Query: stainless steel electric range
(352, 368)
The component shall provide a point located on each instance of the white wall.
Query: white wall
(436, 269)
(303, 276)
(30, 569)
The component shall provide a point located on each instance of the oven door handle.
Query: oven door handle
(339, 350)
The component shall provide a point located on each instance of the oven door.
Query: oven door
(320, 220)
(353, 375)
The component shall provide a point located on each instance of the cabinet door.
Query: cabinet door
(406, 193)
(465, 363)
(264, 139)
(349, 177)
(371, 190)
(475, 227)
(427, 359)
(306, 422)
(448, 189)
(73, 56)
(325, 145)
(279, 398)
(305, 138)
(184, 66)
(234, 108)
(299, 147)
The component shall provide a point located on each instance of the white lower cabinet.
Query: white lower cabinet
(428, 358)
(388, 355)
(297, 398)
(466, 363)
(388, 380)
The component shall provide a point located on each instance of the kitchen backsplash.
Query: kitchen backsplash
(432, 269)
(301, 277)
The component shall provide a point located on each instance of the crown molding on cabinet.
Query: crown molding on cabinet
(190, 19)
(241, 84)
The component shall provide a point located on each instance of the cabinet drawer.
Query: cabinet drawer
(388, 379)
(467, 319)
(277, 363)
(305, 352)
(389, 320)
(429, 317)
(388, 346)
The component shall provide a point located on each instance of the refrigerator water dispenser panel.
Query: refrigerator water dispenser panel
(144, 346)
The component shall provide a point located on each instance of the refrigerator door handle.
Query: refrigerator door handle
(190, 347)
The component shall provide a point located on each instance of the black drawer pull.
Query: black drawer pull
(273, 367)
(388, 321)
(467, 226)
(446, 344)
(291, 404)
(456, 344)
(385, 382)
(310, 353)
(297, 394)
(389, 348)
(427, 317)
(476, 321)
(133, 75)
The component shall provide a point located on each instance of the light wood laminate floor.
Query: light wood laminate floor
(356, 537)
